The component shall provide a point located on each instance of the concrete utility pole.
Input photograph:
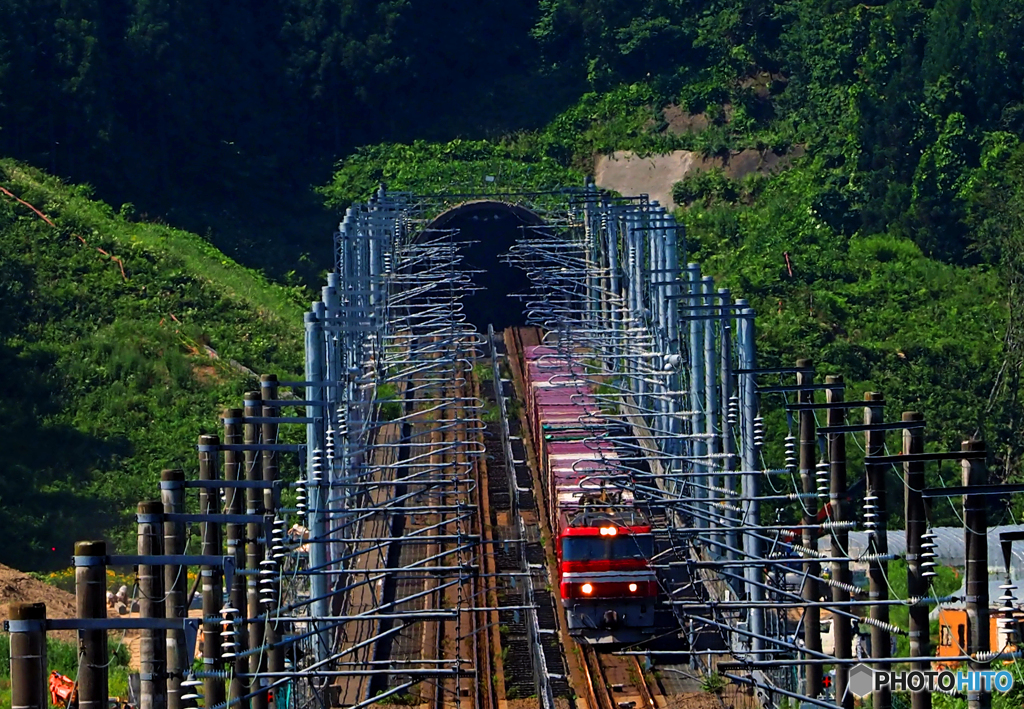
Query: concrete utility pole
(236, 546)
(976, 544)
(916, 522)
(91, 602)
(28, 656)
(842, 631)
(172, 493)
(272, 635)
(213, 585)
(878, 587)
(810, 590)
(253, 548)
(153, 647)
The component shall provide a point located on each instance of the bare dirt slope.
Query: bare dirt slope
(19, 587)
(629, 174)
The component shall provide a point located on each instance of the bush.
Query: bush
(62, 656)
(708, 185)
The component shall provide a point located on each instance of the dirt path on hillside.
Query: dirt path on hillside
(18, 587)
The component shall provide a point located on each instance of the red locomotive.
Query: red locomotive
(604, 541)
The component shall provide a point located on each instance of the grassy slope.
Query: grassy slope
(107, 378)
(928, 335)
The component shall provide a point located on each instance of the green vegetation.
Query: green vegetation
(1000, 700)
(947, 583)
(888, 245)
(62, 657)
(110, 377)
(491, 413)
(713, 683)
(483, 371)
(390, 404)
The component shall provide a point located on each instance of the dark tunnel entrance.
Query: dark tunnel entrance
(493, 227)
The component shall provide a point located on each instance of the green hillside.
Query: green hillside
(890, 249)
(110, 375)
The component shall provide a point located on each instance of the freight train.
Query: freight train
(604, 541)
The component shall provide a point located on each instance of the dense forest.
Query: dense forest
(891, 251)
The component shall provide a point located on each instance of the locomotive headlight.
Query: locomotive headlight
(587, 589)
(609, 531)
(632, 588)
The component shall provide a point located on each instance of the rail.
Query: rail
(541, 678)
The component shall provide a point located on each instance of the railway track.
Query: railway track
(532, 655)
(617, 682)
(604, 681)
(422, 506)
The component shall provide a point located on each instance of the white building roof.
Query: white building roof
(949, 548)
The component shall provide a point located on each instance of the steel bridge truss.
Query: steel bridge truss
(672, 363)
(393, 444)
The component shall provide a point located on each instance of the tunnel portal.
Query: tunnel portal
(493, 227)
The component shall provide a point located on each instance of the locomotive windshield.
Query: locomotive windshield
(595, 548)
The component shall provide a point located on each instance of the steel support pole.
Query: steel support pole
(711, 366)
(915, 515)
(91, 602)
(314, 475)
(153, 646)
(697, 403)
(593, 297)
(28, 656)
(172, 495)
(752, 543)
(672, 276)
(810, 590)
(728, 423)
(233, 470)
(253, 548)
(878, 586)
(660, 275)
(838, 509)
(659, 289)
(376, 238)
(340, 349)
(614, 274)
(637, 316)
(976, 545)
(212, 577)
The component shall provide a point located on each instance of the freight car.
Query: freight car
(604, 542)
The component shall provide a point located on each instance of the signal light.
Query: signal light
(609, 531)
(632, 588)
(587, 589)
